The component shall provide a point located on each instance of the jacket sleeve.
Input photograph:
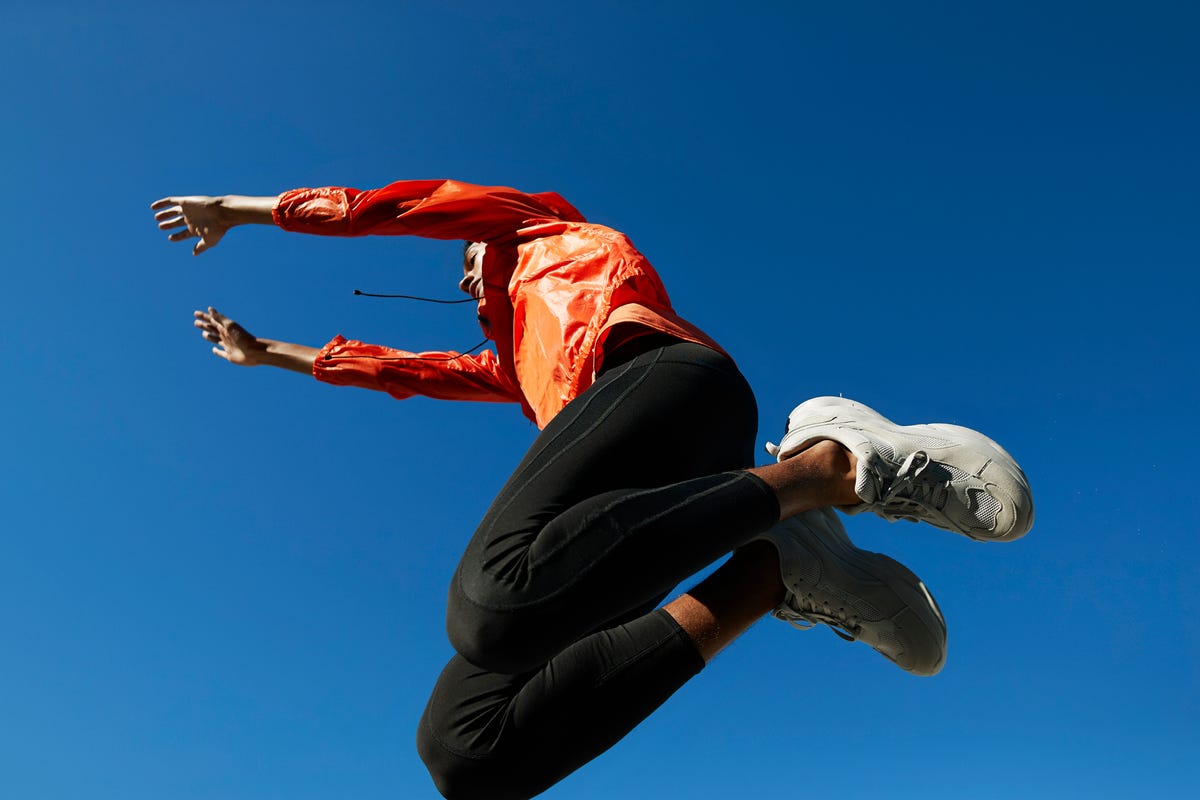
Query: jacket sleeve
(441, 375)
(439, 209)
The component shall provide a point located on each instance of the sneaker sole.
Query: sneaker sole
(844, 565)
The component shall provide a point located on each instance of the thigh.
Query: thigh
(631, 489)
(669, 415)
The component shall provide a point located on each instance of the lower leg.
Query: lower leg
(510, 737)
(725, 604)
(748, 586)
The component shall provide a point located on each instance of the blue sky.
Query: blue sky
(230, 584)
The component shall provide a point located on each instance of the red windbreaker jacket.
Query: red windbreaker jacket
(555, 287)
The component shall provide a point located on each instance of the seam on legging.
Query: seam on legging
(728, 369)
(452, 749)
(677, 632)
(588, 401)
(615, 542)
(734, 477)
(562, 451)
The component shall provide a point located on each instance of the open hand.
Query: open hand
(232, 342)
(199, 217)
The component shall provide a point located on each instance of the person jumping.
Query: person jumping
(642, 475)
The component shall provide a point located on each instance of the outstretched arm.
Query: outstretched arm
(237, 345)
(437, 209)
(444, 375)
(208, 218)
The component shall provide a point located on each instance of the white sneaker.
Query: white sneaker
(861, 595)
(946, 475)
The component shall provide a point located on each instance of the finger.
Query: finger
(179, 236)
(163, 203)
(217, 316)
(212, 337)
(173, 214)
(219, 352)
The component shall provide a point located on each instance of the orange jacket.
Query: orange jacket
(555, 288)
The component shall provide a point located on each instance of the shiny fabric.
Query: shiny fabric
(555, 287)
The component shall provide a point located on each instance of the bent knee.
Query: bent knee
(505, 642)
(462, 777)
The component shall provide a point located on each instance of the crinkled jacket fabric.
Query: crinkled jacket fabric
(554, 288)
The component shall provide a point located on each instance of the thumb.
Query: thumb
(200, 247)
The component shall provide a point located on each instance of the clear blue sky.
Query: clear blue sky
(230, 584)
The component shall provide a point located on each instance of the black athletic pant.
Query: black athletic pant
(633, 487)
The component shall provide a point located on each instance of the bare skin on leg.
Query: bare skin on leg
(724, 606)
(819, 476)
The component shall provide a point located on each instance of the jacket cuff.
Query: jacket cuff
(324, 210)
(320, 367)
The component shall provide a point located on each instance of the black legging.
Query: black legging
(633, 487)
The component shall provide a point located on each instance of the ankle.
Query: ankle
(841, 467)
(733, 598)
(818, 476)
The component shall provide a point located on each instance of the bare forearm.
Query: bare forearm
(287, 355)
(239, 209)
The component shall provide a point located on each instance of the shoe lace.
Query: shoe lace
(914, 489)
(803, 614)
